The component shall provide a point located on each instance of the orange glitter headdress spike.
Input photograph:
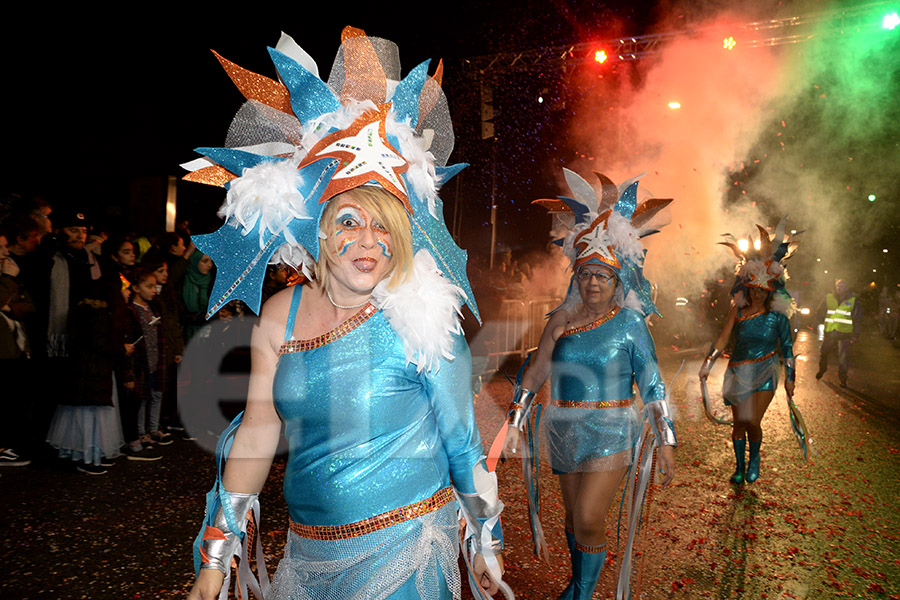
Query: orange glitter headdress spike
(364, 75)
(257, 87)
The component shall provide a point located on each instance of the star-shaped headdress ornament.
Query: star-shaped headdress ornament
(299, 141)
(606, 229)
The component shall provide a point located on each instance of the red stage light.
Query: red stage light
(600, 56)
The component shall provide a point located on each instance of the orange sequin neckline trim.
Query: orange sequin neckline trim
(759, 314)
(335, 334)
(594, 324)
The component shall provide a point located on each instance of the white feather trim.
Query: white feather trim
(633, 301)
(783, 303)
(267, 193)
(295, 256)
(424, 312)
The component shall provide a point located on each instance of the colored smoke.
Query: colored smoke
(806, 130)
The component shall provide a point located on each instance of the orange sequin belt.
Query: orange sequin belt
(752, 360)
(326, 338)
(382, 521)
(594, 403)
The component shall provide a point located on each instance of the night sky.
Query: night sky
(103, 103)
(104, 106)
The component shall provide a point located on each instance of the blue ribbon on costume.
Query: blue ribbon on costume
(531, 471)
(798, 425)
(636, 485)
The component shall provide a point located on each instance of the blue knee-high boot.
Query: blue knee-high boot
(587, 567)
(570, 589)
(740, 449)
(753, 465)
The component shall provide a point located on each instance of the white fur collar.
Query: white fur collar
(424, 312)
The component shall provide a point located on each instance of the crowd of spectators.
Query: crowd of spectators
(93, 325)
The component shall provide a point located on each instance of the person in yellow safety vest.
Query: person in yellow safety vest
(840, 310)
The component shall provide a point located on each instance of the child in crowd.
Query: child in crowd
(149, 358)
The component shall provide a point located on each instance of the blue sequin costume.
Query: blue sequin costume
(754, 363)
(596, 366)
(368, 434)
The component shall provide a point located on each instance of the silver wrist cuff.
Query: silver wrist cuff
(713, 354)
(521, 403)
(661, 423)
(219, 551)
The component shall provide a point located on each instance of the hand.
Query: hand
(129, 385)
(705, 368)
(511, 445)
(789, 387)
(9, 267)
(208, 584)
(177, 358)
(483, 577)
(129, 349)
(665, 462)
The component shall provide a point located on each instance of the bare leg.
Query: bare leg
(587, 498)
(759, 402)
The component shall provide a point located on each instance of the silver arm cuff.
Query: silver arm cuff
(713, 354)
(521, 403)
(482, 510)
(220, 551)
(661, 423)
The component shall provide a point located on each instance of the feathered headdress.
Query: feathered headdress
(763, 267)
(299, 141)
(607, 230)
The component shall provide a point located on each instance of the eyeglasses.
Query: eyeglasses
(607, 278)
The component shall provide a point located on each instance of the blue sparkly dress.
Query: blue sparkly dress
(592, 423)
(368, 435)
(754, 364)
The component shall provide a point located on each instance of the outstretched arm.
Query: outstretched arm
(534, 377)
(450, 392)
(253, 449)
(786, 341)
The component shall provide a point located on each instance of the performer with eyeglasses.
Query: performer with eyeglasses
(595, 348)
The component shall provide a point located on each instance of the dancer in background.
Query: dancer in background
(365, 364)
(760, 321)
(595, 348)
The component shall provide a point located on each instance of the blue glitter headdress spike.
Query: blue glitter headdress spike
(607, 230)
(300, 141)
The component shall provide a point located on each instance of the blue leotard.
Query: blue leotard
(592, 423)
(754, 363)
(368, 434)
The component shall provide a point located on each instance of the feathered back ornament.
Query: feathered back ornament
(298, 141)
(763, 267)
(606, 229)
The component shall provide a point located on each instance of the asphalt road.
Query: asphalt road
(826, 528)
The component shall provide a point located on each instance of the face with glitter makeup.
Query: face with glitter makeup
(360, 248)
